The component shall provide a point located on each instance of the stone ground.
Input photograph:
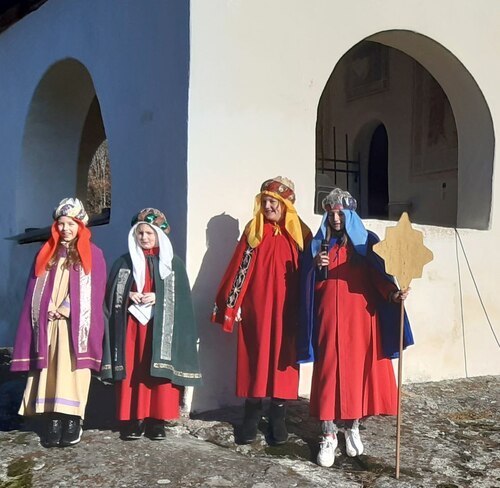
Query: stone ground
(450, 439)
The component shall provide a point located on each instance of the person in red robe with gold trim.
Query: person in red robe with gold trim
(260, 290)
(349, 299)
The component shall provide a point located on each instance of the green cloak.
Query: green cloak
(175, 334)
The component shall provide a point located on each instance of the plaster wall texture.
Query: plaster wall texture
(137, 60)
(258, 70)
(248, 76)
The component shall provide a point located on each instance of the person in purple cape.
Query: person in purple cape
(60, 332)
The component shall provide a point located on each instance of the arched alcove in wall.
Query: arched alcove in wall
(63, 130)
(439, 129)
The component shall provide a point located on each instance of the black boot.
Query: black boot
(277, 426)
(253, 414)
(155, 430)
(131, 430)
(52, 430)
(71, 430)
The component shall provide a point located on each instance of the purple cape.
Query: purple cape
(86, 318)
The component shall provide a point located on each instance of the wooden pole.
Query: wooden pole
(400, 383)
(404, 256)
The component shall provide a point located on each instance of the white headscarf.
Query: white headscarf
(139, 260)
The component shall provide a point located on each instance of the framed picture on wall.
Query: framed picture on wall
(366, 70)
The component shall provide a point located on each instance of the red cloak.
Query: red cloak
(141, 395)
(351, 378)
(264, 282)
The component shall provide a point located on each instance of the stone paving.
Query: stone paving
(450, 439)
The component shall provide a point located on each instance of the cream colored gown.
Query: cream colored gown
(59, 387)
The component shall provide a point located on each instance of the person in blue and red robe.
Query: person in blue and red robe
(349, 326)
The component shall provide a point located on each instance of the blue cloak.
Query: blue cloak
(389, 313)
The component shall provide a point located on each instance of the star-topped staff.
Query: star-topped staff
(405, 256)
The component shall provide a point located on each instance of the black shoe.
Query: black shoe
(253, 414)
(132, 430)
(53, 432)
(155, 430)
(278, 433)
(72, 431)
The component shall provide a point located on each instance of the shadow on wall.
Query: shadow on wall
(217, 348)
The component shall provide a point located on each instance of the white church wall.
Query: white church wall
(257, 72)
(137, 60)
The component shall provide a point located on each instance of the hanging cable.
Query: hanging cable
(477, 289)
(461, 304)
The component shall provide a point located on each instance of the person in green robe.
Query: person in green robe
(150, 343)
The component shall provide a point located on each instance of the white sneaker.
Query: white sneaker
(353, 445)
(326, 454)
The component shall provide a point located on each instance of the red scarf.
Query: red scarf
(50, 247)
(154, 251)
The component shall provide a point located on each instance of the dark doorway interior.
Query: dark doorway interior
(378, 188)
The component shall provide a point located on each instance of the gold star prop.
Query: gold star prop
(405, 256)
(403, 252)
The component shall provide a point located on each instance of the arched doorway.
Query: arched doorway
(430, 107)
(63, 130)
(378, 189)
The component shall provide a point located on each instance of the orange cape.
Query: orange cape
(50, 247)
